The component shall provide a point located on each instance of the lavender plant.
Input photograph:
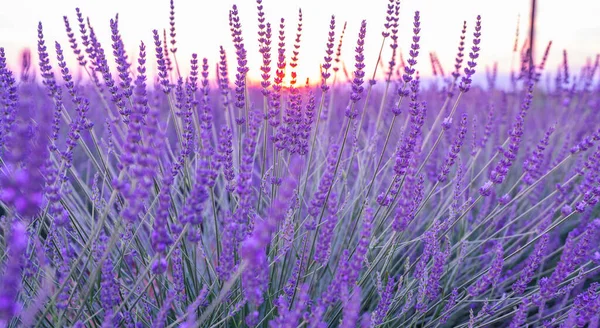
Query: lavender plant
(178, 200)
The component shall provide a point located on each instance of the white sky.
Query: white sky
(203, 25)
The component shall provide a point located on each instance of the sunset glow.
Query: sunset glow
(202, 27)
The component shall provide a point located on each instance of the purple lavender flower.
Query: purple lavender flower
(245, 176)
(22, 182)
(325, 184)
(85, 39)
(461, 49)
(242, 69)
(532, 165)
(437, 269)
(430, 246)
(392, 18)
(163, 74)
(487, 132)
(206, 116)
(408, 204)
(500, 171)
(306, 127)
(73, 41)
(144, 156)
(190, 312)
(585, 307)
(590, 192)
(454, 150)
(224, 156)
(359, 73)
(449, 306)
(323, 247)
(292, 282)
(574, 254)
(172, 33)
(338, 51)
(328, 57)
(264, 40)
(356, 262)
(110, 288)
(120, 58)
(289, 134)
(533, 262)
(192, 213)
(520, 315)
(178, 275)
(168, 61)
(44, 60)
(10, 281)
(389, 19)
(351, 307)
(291, 317)
(333, 291)
(8, 90)
(100, 64)
(253, 248)
(383, 307)
(409, 70)
(227, 260)
(159, 321)
(223, 75)
(160, 237)
(275, 101)
(417, 118)
(465, 83)
(492, 274)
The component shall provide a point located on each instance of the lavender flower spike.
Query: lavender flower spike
(325, 74)
(163, 74)
(10, 281)
(465, 83)
(491, 276)
(359, 73)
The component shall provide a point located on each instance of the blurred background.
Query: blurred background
(202, 26)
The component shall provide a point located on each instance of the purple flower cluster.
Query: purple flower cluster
(242, 69)
(359, 73)
(253, 248)
(454, 150)
(576, 251)
(325, 74)
(500, 171)
(10, 280)
(533, 263)
(197, 203)
(465, 83)
(320, 196)
(491, 276)
(405, 153)
(409, 70)
(585, 308)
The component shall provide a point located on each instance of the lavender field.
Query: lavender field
(194, 196)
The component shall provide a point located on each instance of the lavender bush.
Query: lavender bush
(205, 200)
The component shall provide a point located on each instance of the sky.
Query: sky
(202, 26)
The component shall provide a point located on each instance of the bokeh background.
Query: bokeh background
(202, 26)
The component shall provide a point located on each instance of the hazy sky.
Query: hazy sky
(203, 25)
